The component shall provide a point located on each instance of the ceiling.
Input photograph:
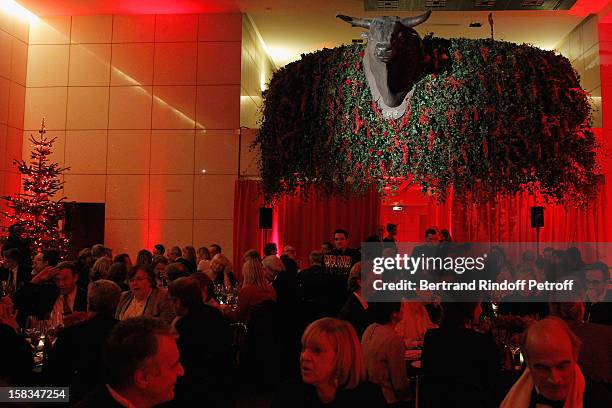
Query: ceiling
(292, 27)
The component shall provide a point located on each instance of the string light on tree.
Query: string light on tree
(35, 210)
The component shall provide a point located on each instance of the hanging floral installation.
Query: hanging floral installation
(487, 118)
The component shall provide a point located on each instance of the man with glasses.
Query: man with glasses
(598, 308)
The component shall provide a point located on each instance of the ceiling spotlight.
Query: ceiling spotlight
(397, 208)
(475, 25)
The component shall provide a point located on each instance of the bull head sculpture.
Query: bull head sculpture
(393, 58)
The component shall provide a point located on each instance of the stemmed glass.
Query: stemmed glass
(6, 289)
(221, 293)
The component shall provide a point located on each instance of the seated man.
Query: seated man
(44, 259)
(141, 366)
(14, 269)
(71, 301)
(53, 293)
(599, 305)
(75, 358)
(552, 377)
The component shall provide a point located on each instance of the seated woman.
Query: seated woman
(332, 369)
(414, 322)
(220, 271)
(144, 297)
(207, 288)
(466, 359)
(383, 352)
(255, 290)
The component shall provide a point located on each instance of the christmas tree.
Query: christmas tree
(33, 210)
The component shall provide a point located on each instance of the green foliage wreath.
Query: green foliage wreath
(488, 117)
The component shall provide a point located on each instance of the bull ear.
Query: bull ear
(415, 21)
(355, 22)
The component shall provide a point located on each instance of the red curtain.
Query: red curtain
(301, 224)
(248, 199)
(508, 219)
(305, 225)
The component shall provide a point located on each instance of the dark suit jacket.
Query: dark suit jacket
(460, 368)
(16, 357)
(460, 352)
(80, 301)
(24, 274)
(75, 360)
(38, 300)
(600, 312)
(98, 398)
(354, 313)
(204, 346)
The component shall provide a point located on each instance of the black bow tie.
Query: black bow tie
(542, 400)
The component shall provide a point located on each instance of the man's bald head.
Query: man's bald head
(550, 333)
(551, 350)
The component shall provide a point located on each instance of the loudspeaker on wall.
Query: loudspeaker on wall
(265, 218)
(537, 217)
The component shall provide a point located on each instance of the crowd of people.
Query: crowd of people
(181, 327)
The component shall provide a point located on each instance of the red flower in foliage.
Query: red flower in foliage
(423, 119)
(348, 82)
(379, 153)
(458, 56)
(361, 54)
(484, 53)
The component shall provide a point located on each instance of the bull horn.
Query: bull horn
(415, 21)
(356, 22)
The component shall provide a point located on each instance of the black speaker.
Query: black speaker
(265, 218)
(537, 217)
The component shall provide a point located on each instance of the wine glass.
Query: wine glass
(220, 292)
(32, 330)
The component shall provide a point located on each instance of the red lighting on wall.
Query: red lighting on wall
(585, 7)
(93, 7)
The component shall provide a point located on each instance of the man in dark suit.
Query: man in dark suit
(313, 292)
(75, 358)
(552, 377)
(204, 345)
(71, 301)
(53, 292)
(141, 366)
(14, 240)
(15, 271)
(599, 305)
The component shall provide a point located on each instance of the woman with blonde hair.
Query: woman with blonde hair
(272, 267)
(100, 268)
(332, 368)
(220, 271)
(255, 290)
